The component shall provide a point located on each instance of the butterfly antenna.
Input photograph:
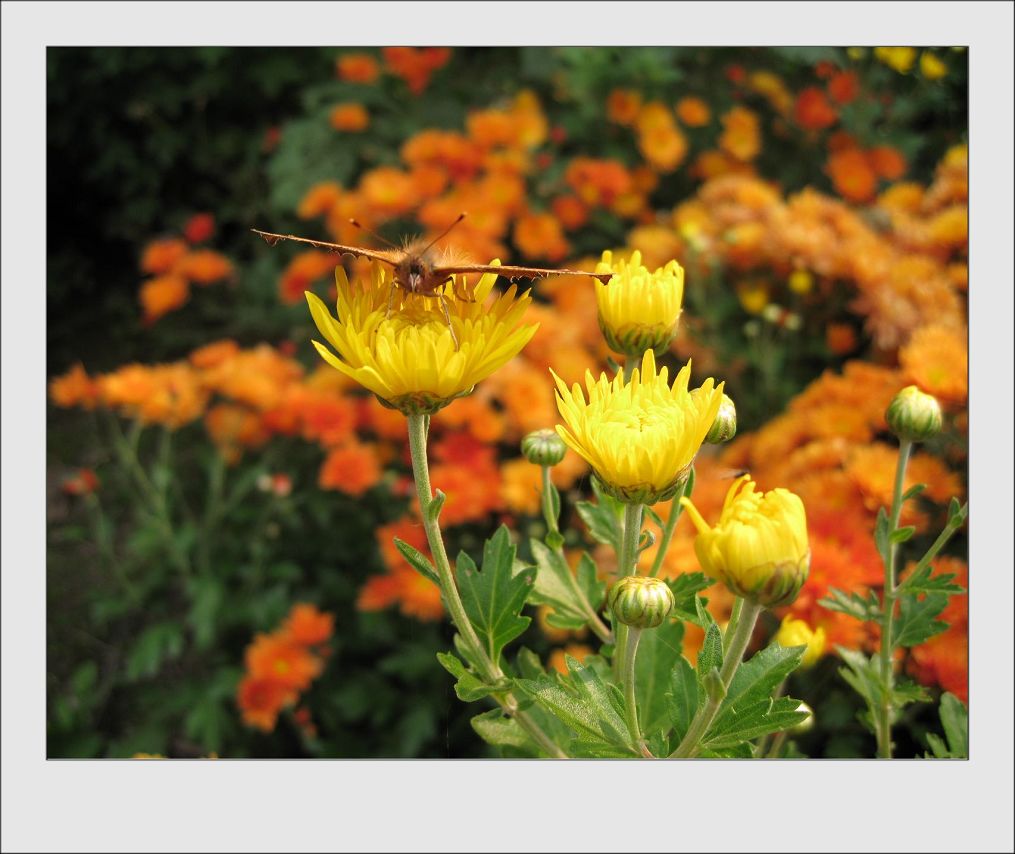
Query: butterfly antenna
(444, 233)
(373, 234)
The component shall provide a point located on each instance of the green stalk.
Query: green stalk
(630, 703)
(489, 670)
(884, 728)
(626, 565)
(668, 529)
(688, 747)
(731, 626)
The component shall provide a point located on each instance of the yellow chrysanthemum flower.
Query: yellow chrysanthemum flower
(931, 66)
(795, 632)
(759, 546)
(639, 436)
(899, 58)
(409, 359)
(638, 309)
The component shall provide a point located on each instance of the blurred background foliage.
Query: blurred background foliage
(175, 538)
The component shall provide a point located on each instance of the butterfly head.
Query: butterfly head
(414, 273)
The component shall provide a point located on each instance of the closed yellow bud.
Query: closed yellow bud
(914, 415)
(759, 546)
(638, 309)
(543, 447)
(641, 602)
(795, 632)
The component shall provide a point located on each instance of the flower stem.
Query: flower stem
(668, 529)
(884, 728)
(626, 565)
(688, 747)
(731, 626)
(489, 670)
(630, 703)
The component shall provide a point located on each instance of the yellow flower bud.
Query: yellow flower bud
(914, 415)
(795, 632)
(543, 447)
(759, 546)
(801, 282)
(640, 601)
(724, 427)
(639, 310)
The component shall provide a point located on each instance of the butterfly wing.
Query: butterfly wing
(510, 272)
(359, 252)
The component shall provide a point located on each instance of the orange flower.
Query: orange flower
(944, 661)
(160, 256)
(417, 596)
(352, 468)
(852, 175)
(521, 486)
(888, 162)
(622, 106)
(570, 212)
(84, 482)
(491, 128)
(415, 65)
(663, 147)
(214, 354)
(813, 112)
(302, 271)
(937, 360)
(388, 192)
(597, 182)
(949, 229)
(475, 414)
(199, 228)
(277, 657)
(233, 428)
(308, 626)
(75, 388)
(741, 137)
(472, 493)
(162, 295)
(319, 200)
(840, 338)
(357, 68)
(906, 197)
(693, 112)
(349, 118)
(203, 267)
(261, 699)
(540, 236)
(844, 86)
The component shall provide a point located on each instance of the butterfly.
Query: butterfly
(419, 271)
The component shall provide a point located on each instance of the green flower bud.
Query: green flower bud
(807, 723)
(914, 415)
(543, 447)
(724, 427)
(640, 601)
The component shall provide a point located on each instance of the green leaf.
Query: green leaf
(417, 560)
(686, 600)
(916, 621)
(882, 528)
(913, 491)
(756, 679)
(158, 644)
(901, 535)
(554, 497)
(905, 692)
(753, 721)
(955, 720)
(710, 657)
(658, 651)
(583, 702)
(495, 596)
(602, 518)
(433, 509)
(922, 581)
(496, 728)
(468, 687)
(574, 598)
(711, 682)
(208, 595)
(865, 608)
(683, 698)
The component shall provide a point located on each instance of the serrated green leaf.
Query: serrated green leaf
(905, 692)
(753, 721)
(602, 518)
(865, 608)
(955, 720)
(583, 702)
(658, 651)
(467, 687)
(683, 698)
(743, 750)
(495, 596)
(496, 728)
(710, 657)
(757, 679)
(916, 621)
(417, 560)
(528, 664)
(922, 581)
(687, 604)
(573, 597)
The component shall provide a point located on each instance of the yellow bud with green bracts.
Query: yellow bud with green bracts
(640, 602)
(724, 427)
(759, 547)
(543, 447)
(794, 632)
(914, 415)
(638, 309)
